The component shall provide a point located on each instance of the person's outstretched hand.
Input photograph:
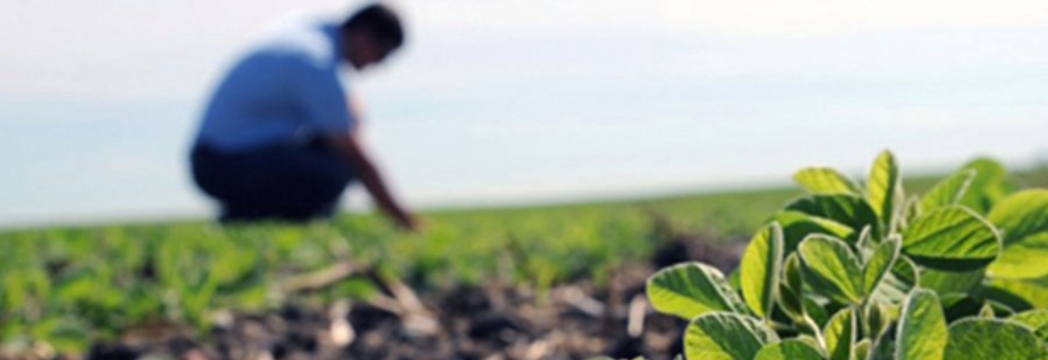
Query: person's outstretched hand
(411, 223)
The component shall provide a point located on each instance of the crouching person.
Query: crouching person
(279, 138)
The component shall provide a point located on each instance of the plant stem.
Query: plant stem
(817, 331)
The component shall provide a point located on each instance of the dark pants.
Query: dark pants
(275, 183)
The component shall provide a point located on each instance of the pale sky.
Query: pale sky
(169, 49)
(524, 100)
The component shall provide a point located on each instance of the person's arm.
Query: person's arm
(351, 149)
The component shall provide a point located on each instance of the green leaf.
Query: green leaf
(910, 212)
(850, 210)
(791, 349)
(841, 333)
(1035, 319)
(735, 278)
(982, 339)
(82, 287)
(884, 347)
(884, 189)
(791, 303)
(953, 239)
(761, 268)
(880, 264)
(726, 336)
(922, 332)
(1032, 292)
(865, 245)
(1023, 220)
(946, 282)
(791, 288)
(690, 290)
(822, 180)
(816, 312)
(1021, 214)
(797, 225)
(831, 268)
(65, 334)
(809, 340)
(792, 276)
(999, 309)
(986, 312)
(991, 184)
(947, 192)
(862, 350)
(879, 317)
(1024, 259)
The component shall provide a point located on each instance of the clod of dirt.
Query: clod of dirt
(502, 329)
(112, 352)
(464, 300)
(366, 318)
(626, 347)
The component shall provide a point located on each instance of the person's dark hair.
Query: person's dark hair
(381, 22)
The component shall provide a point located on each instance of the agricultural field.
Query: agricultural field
(563, 281)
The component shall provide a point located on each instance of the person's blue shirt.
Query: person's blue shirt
(284, 90)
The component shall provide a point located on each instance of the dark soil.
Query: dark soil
(575, 320)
